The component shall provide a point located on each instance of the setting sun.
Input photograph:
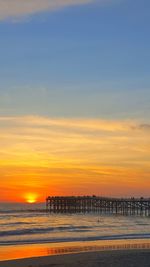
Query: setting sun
(31, 198)
(31, 201)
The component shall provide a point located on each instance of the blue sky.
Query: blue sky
(89, 60)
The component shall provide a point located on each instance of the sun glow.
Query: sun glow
(31, 198)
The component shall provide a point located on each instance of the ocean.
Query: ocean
(30, 224)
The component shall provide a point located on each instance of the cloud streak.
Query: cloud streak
(22, 8)
(33, 140)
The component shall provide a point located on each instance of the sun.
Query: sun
(31, 198)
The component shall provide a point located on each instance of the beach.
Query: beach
(39, 239)
(122, 258)
(118, 253)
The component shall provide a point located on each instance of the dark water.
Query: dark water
(20, 225)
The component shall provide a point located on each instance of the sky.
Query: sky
(74, 98)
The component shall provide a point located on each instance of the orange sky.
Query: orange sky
(41, 156)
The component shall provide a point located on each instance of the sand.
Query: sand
(106, 253)
(123, 258)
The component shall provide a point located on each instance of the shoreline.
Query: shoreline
(48, 254)
(117, 258)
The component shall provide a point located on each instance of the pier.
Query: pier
(104, 205)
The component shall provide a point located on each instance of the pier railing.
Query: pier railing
(86, 204)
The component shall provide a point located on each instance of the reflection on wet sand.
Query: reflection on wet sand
(26, 251)
(66, 250)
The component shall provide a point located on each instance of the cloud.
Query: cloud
(19, 8)
(145, 126)
(22, 8)
(38, 139)
(75, 124)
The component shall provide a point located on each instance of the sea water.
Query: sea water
(31, 224)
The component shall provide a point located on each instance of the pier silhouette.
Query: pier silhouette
(104, 205)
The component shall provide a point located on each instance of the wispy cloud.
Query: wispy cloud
(36, 141)
(22, 8)
(19, 8)
(145, 126)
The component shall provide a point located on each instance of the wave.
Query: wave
(32, 231)
(15, 224)
(30, 211)
(76, 239)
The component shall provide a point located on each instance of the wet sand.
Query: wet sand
(106, 253)
(123, 258)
